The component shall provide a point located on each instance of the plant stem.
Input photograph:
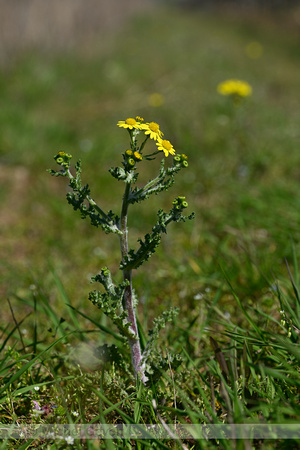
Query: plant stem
(134, 343)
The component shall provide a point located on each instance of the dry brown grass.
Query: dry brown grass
(59, 25)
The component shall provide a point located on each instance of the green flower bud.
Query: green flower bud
(131, 162)
(185, 204)
(177, 158)
(63, 159)
(128, 152)
(105, 271)
(185, 163)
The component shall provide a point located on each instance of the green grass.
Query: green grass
(228, 270)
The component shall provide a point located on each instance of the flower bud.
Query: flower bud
(137, 156)
(105, 271)
(131, 162)
(63, 159)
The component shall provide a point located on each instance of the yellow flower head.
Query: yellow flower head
(138, 156)
(152, 129)
(130, 124)
(234, 87)
(165, 146)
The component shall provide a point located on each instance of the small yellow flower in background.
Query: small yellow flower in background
(254, 50)
(153, 130)
(156, 100)
(165, 146)
(234, 87)
(129, 123)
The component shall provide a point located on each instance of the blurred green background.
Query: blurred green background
(68, 74)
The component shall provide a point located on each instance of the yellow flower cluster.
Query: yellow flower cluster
(235, 87)
(151, 130)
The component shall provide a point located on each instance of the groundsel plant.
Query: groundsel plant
(119, 301)
(236, 89)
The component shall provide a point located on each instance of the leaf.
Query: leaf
(220, 357)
